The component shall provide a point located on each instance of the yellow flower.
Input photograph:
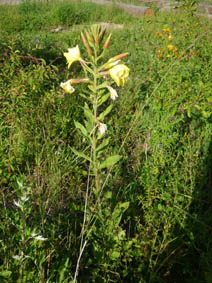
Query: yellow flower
(67, 86)
(119, 74)
(113, 92)
(170, 37)
(159, 53)
(72, 55)
(167, 30)
(170, 47)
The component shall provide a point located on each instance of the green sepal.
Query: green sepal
(110, 161)
(80, 154)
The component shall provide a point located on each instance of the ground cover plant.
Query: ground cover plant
(152, 220)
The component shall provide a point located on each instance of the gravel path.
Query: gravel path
(204, 8)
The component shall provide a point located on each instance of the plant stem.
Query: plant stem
(95, 106)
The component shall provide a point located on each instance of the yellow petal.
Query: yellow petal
(72, 55)
(119, 74)
(67, 87)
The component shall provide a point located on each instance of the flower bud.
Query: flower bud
(86, 44)
(107, 42)
(120, 56)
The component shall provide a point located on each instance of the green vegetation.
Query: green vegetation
(153, 219)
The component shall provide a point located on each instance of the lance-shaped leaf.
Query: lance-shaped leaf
(102, 99)
(103, 144)
(103, 85)
(91, 88)
(100, 148)
(105, 113)
(119, 211)
(81, 128)
(88, 113)
(85, 97)
(110, 161)
(90, 118)
(80, 154)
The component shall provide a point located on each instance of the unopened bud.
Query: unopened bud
(120, 56)
(97, 40)
(86, 44)
(89, 36)
(102, 33)
(76, 81)
(107, 42)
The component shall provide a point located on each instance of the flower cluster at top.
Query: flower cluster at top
(113, 68)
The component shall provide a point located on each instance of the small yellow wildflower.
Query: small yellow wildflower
(159, 53)
(170, 47)
(167, 30)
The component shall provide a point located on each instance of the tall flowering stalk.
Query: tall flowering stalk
(99, 78)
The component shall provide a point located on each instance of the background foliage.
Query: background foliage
(154, 220)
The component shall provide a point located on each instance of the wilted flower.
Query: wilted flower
(72, 55)
(102, 128)
(113, 92)
(67, 86)
(119, 74)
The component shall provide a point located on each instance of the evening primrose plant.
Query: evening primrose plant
(100, 79)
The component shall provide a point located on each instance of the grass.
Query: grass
(154, 221)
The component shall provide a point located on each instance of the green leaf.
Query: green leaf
(173, 110)
(206, 114)
(160, 207)
(81, 154)
(103, 98)
(5, 273)
(108, 195)
(105, 113)
(91, 88)
(189, 112)
(85, 97)
(88, 114)
(110, 161)
(119, 210)
(115, 255)
(81, 128)
(90, 118)
(103, 144)
(102, 85)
